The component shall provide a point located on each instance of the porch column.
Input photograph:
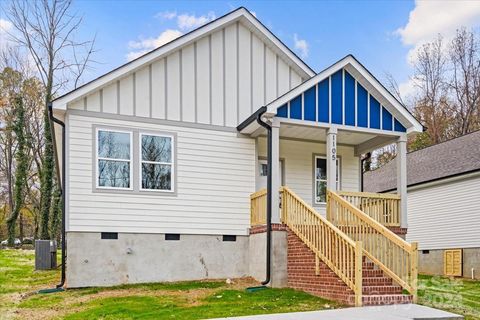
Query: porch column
(402, 178)
(332, 159)
(275, 170)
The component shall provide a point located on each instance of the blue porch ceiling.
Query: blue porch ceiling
(340, 99)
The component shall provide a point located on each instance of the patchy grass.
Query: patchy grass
(181, 300)
(456, 295)
(222, 303)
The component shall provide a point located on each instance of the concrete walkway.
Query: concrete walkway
(393, 312)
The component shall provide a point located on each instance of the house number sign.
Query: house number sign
(334, 147)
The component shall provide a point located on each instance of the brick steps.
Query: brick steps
(378, 289)
(387, 289)
(375, 299)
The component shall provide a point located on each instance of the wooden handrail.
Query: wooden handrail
(383, 207)
(396, 257)
(339, 252)
(258, 207)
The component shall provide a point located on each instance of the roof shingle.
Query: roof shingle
(452, 157)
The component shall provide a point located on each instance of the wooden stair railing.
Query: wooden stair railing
(382, 207)
(396, 257)
(330, 245)
(258, 207)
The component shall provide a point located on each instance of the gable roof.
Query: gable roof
(450, 158)
(241, 14)
(365, 78)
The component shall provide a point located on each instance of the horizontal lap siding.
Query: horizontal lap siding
(445, 216)
(215, 176)
(298, 158)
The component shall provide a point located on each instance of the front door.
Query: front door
(262, 174)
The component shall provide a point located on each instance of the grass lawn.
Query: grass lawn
(182, 300)
(459, 296)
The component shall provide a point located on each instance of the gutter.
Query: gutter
(53, 120)
(251, 118)
(258, 115)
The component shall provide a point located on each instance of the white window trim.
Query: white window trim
(172, 163)
(97, 158)
(315, 177)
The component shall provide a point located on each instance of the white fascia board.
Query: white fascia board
(397, 109)
(242, 13)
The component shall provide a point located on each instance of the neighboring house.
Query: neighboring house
(165, 155)
(443, 204)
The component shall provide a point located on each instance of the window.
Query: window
(156, 162)
(263, 170)
(114, 149)
(321, 179)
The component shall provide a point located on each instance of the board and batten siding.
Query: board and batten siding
(215, 177)
(446, 215)
(298, 165)
(219, 79)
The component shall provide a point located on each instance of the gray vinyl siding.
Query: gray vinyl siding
(219, 79)
(446, 215)
(215, 177)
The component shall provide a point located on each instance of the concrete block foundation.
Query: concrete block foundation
(141, 258)
(432, 261)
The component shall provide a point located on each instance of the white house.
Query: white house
(164, 157)
(443, 204)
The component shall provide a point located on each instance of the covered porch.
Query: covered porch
(311, 159)
(312, 139)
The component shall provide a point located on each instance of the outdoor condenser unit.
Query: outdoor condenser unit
(45, 254)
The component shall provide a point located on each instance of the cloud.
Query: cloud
(142, 46)
(183, 22)
(301, 46)
(167, 15)
(429, 19)
(5, 27)
(187, 22)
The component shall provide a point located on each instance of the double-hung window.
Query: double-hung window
(114, 159)
(156, 162)
(321, 179)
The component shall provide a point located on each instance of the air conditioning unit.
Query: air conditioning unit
(45, 254)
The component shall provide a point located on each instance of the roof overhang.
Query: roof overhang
(241, 14)
(366, 79)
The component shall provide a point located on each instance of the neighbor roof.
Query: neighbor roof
(240, 14)
(450, 158)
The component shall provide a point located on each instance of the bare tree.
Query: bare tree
(46, 29)
(465, 83)
(432, 107)
(17, 78)
(393, 87)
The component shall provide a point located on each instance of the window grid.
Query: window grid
(326, 177)
(171, 163)
(98, 159)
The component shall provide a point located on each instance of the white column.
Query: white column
(402, 178)
(275, 170)
(332, 159)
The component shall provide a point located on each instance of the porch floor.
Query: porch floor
(391, 312)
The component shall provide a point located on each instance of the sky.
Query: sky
(383, 35)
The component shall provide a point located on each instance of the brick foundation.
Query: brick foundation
(263, 228)
(399, 231)
(301, 273)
